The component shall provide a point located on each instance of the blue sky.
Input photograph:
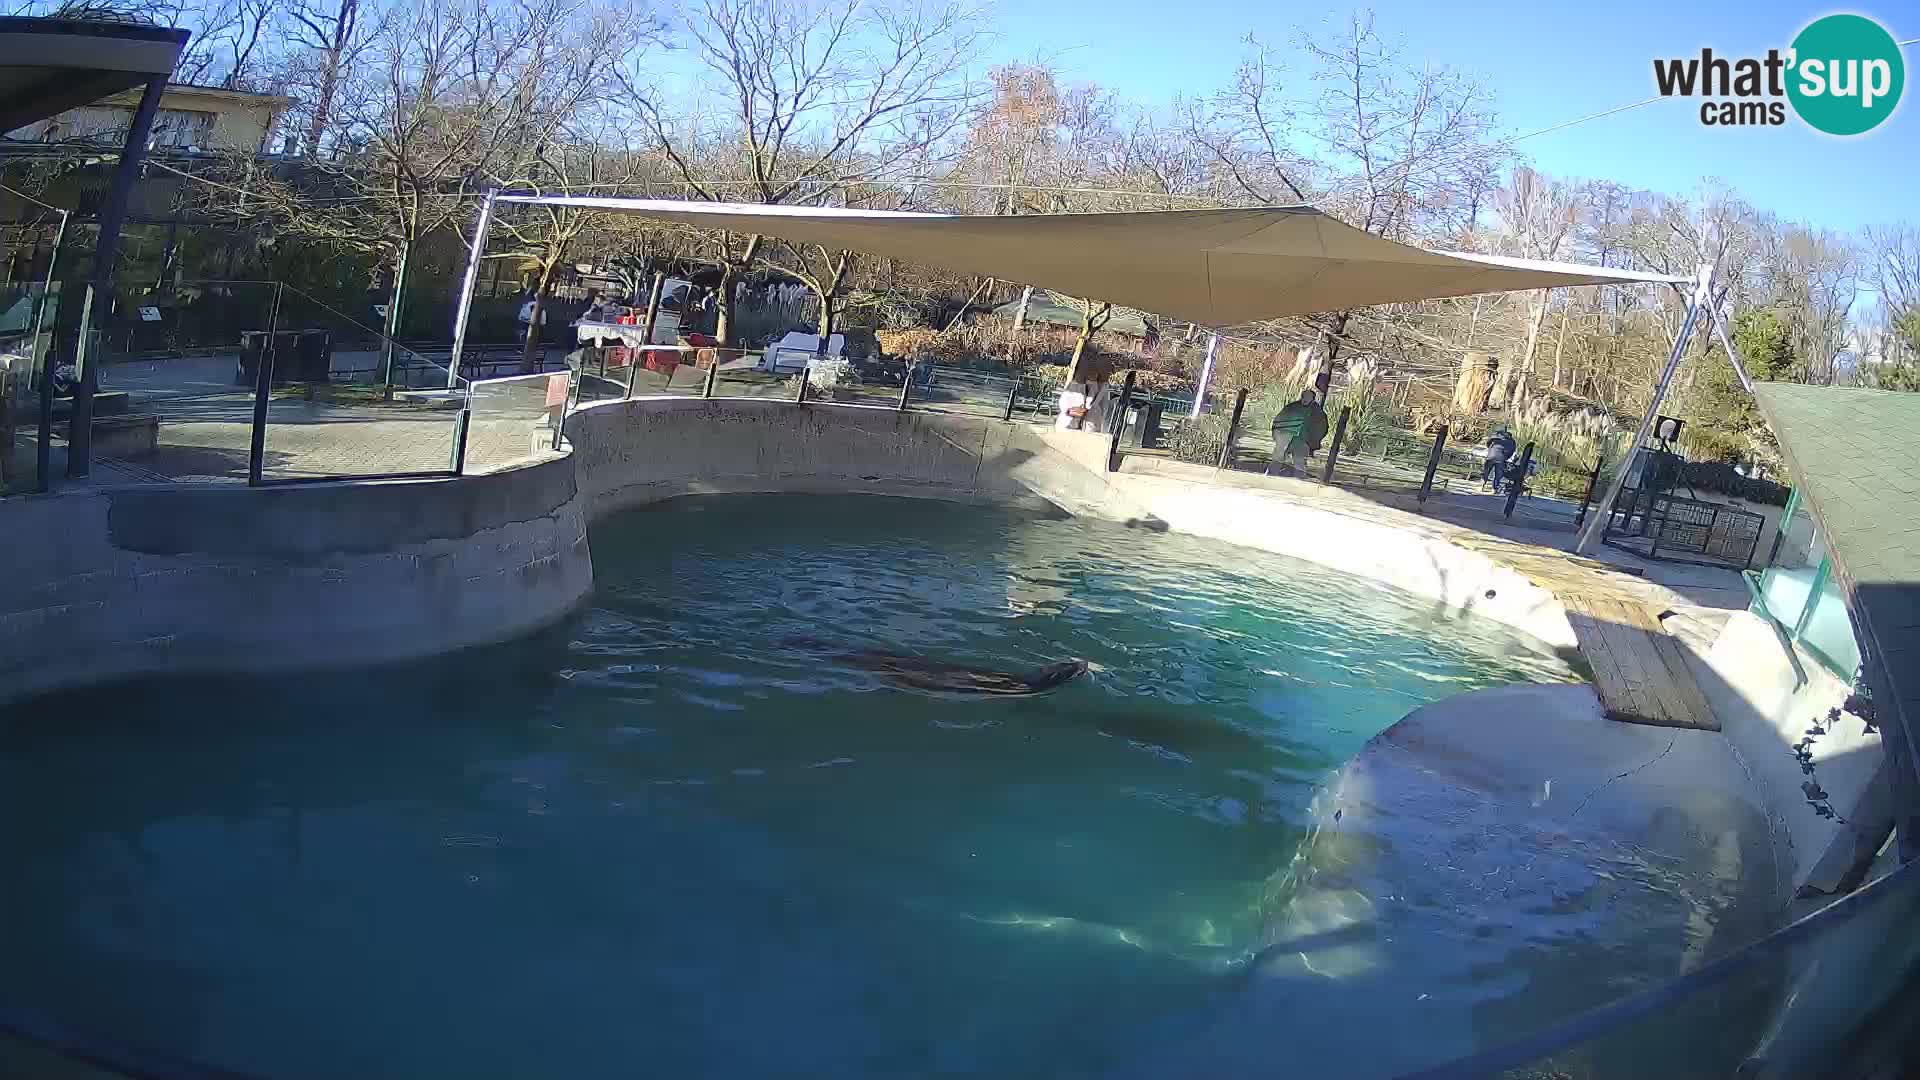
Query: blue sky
(1545, 62)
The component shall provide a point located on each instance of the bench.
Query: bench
(127, 436)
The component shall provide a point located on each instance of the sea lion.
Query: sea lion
(919, 673)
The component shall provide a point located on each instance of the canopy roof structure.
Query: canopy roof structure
(1214, 267)
(48, 66)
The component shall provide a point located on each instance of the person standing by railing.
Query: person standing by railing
(1290, 435)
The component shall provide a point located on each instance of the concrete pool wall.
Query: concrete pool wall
(104, 584)
(644, 450)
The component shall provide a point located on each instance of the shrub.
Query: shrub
(1201, 439)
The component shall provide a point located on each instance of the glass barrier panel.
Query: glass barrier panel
(513, 418)
(1825, 627)
(24, 311)
(189, 375)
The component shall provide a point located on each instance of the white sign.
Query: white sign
(149, 314)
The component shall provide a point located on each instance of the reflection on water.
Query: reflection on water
(679, 837)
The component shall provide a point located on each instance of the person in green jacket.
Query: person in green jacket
(1301, 424)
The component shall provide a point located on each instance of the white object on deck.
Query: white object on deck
(797, 350)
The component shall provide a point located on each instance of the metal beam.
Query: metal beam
(100, 290)
(1702, 298)
(1206, 375)
(480, 230)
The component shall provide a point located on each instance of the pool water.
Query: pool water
(684, 835)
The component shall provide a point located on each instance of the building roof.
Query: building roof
(1855, 456)
(1213, 267)
(48, 66)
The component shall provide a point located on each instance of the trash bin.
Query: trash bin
(313, 357)
(298, 356)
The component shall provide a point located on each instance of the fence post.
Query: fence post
(460, 439)
(906, 390)
(568, 403)
(800, 395)
(1514, 487)
(1233, 430)
(633, 368)
(713, 371)
(262, 389)
(1433, 463)
(1600, 461)
(1333, 452)
(1119, 421)
(1013, 396)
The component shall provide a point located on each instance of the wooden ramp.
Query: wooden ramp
(1638, 669)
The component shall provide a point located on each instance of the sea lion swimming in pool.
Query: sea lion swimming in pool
(920, 673)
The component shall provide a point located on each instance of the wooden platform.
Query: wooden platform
(1638, 668)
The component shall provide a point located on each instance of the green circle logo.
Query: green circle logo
(1846, 74)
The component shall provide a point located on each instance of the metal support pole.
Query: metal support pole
(1233, 430)
(1433, 462)
(1702, 293)
(1333, 452)
(460, 424)
(1739, 369)
(800, 395)
(43, 452)
(1593, 481)
(100, 291)
(262, 390)
(394, 302)
(1516, 485)
(713, 371)
(1120, 421)
(567, 405)
(906, 391)
(1206, 376)
(480, 230)
(1013, 396)
(653, 307)
(633, 370)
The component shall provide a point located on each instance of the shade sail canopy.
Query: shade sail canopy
(1216, 267)
(48, 66)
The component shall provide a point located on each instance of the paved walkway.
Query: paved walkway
(206, 426)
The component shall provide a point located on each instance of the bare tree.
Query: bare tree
(821, 94)
(230, 43)
(1385, 147)
(332, 38)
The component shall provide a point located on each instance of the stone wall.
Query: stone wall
(99, 585)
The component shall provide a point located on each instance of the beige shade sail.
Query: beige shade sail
(1215, 267)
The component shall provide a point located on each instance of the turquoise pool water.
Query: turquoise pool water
(683, 836)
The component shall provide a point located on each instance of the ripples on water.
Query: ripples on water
(678, 837)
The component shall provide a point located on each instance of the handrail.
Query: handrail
(1616, 1015)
